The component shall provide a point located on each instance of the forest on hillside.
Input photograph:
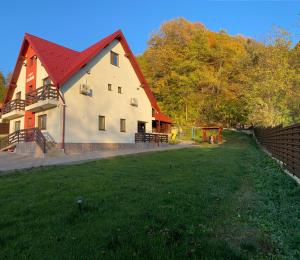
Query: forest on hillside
(200, 77)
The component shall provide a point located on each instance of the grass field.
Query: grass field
(215, 202)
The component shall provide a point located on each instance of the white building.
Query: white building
(84, 100)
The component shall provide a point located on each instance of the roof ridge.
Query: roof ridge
(50, 42)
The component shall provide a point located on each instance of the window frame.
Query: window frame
(19, 125)
(114, 55)
(104, 127)
(47, 79)
(42, 125)
(19, 95)
(122, 125)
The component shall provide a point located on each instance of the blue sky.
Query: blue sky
(77, 24)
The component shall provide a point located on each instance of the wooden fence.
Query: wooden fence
(283, 143)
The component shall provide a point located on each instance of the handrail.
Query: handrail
(16, 104)
(151, 138)
(24, 135)
(42, 93)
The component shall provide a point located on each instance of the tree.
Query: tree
(269, 86)
(2, 87)
(194, 72)
(200, 76)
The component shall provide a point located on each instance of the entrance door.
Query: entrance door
(141, 127)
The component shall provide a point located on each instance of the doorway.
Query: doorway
(141, 127)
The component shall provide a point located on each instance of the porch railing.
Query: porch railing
(42, 93)
(16, 104)
(24, 135)
(151, 138)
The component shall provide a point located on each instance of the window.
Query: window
(17, 125)
(122, 125)
(114, 58)
(30, 88)
(120, 90)
(46, 81)
(42, 122)
(109, 87)
(102, 123)
(18, 95)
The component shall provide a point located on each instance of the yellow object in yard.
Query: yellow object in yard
(174, 132)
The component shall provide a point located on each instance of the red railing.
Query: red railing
(42, 93)
(16, 104)
(24, 135)
(151, 138)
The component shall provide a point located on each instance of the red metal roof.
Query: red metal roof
(62, 63)
(162, 117)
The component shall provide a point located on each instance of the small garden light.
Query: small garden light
(79, 202)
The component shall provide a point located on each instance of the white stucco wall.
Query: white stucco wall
(20, 86)
(54, 115)
(81, 125)
(12, 124)
(21, 83)
(41, 73)
(82, 111)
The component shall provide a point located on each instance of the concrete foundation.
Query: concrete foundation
(29, 148)
(71, 148)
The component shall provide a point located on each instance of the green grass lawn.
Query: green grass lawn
(228, 201)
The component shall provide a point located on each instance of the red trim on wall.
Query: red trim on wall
(31, 67)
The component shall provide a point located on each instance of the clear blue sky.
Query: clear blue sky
(77, 24)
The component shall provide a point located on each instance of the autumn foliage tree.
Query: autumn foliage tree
(2, 87)
(200, 76)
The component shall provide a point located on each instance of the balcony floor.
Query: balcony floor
(13, 114)
(42, 105)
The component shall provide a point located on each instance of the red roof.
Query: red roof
(162, 117)
(62, 63)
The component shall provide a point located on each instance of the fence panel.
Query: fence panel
(283, 143)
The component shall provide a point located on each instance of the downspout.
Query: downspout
(63, 122)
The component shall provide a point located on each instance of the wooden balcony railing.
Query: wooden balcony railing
(16, 104)
(42, 93)
(24, 135)
(151, 138)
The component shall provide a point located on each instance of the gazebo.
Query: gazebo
(204, 129)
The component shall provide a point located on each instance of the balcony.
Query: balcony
(42, 98)
(13, 109)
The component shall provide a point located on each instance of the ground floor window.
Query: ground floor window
(123, 125)
(42, 122)
(17, 125)
(101, 123)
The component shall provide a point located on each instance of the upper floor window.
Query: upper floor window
(30, 88)
(18, 95)
(109, 87)
(120, 90)
(114, 58)
(46, 81)
(17, 125)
